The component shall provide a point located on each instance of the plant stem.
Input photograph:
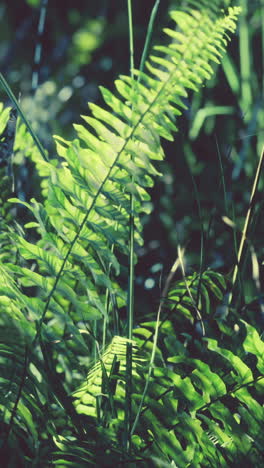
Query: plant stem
(132, 201)
(19, 394)
(131, 289)
(95, 339)
(131, 38)
(148, 36)
(222, 175)
(12, 97)
(245, 66)
(247, 221)
(164, 293)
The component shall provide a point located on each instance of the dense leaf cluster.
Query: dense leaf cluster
(168, 397)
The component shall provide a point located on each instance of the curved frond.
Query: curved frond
(84, 223)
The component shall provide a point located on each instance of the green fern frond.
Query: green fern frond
(196, 414)
(103, 380)
(87, 208)
(4, 116)
(206, 417)
(21, 397)
(196, 292)
(83, 228)
(190, 301)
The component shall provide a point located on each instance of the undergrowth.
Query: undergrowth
(80, 385)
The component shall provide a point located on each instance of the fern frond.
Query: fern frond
(102, 380)
(206, 417)
(190, 302)
(87, 208)
(21, 398)
(196, 292)
(83, 228)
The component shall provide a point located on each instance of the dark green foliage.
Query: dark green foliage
(183, 393)
(7, 132)
(87, 209)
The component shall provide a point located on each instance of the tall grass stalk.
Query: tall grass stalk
(131, 286)
(16, 104)
(132, 201)
(245, 65)
(247, 222)
(149, 35)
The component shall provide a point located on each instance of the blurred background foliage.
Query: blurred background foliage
(201, 201)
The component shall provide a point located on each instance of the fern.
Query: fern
(74, 271)
(23, 391)
(189, 310)
(87, 207)
(101, 380)
(191, 414)
(199, 416)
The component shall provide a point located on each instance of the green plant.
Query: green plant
(155, 398)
